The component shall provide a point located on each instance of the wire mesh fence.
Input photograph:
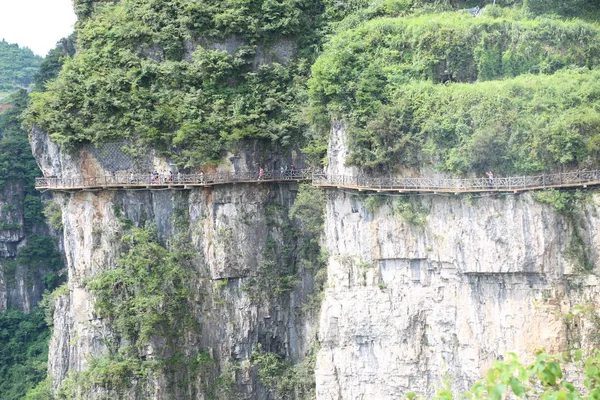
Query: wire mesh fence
(320, 178)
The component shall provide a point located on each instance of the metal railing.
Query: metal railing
(151, 179)
(574, 178)
(319, 178)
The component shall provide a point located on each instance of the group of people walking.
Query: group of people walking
(168, 177)
(161, 178)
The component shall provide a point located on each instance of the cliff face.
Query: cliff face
(424, 290)
(233, 233)
(421, 290)
(19, 287)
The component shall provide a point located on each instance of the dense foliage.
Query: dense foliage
(286, 381)
(519, 94)
(143, 295)
(147, 295)
(23, 352)
(519, 125)
(156, 71)
(193, 81)
(544, 378)
(16, 161)
(53, 62)
(415, 81)
(24, 337)
(17, 66)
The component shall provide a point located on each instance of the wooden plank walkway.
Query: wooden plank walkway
(146, 181)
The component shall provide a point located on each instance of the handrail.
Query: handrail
(320, 178)
(150, 179)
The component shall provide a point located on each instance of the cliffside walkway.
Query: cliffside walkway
(360, 182)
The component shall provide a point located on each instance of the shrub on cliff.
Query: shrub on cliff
(463, 93)
(185, 79)
(544, 378)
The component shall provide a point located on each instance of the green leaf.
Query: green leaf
(555, 369)
(517, 387)
(497, 392)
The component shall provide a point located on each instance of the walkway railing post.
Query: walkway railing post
(358, 181)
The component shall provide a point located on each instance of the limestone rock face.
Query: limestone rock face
(409, 306)
(421, 290)
(19, 288)
(228, 228)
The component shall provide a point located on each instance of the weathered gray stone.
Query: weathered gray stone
(227, 227)
(409, 307)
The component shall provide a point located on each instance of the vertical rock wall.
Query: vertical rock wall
(20, 287)
(229, 229)
(412, 303)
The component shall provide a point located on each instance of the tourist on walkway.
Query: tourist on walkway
(490, 176)
(261, 172)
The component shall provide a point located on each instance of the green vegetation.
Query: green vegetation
(40, 257)
(143, 295)
(373, 202)
(571, 8)
(308, 213)
(300, 251)
(278, 273)
(410, 211)
(562, 201)
(156, 73)
(542, 379)
(415, 82)
(23, 352)
(519, 94)
(53, 62)
(292, 247)
(23, 337)
(17, 66)
(521, 125)
(16, 161)
(42, 391)
(309, 210)
(53, 214)
(146, 295)
(18, 167)
(136, 78)
(286, 381)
